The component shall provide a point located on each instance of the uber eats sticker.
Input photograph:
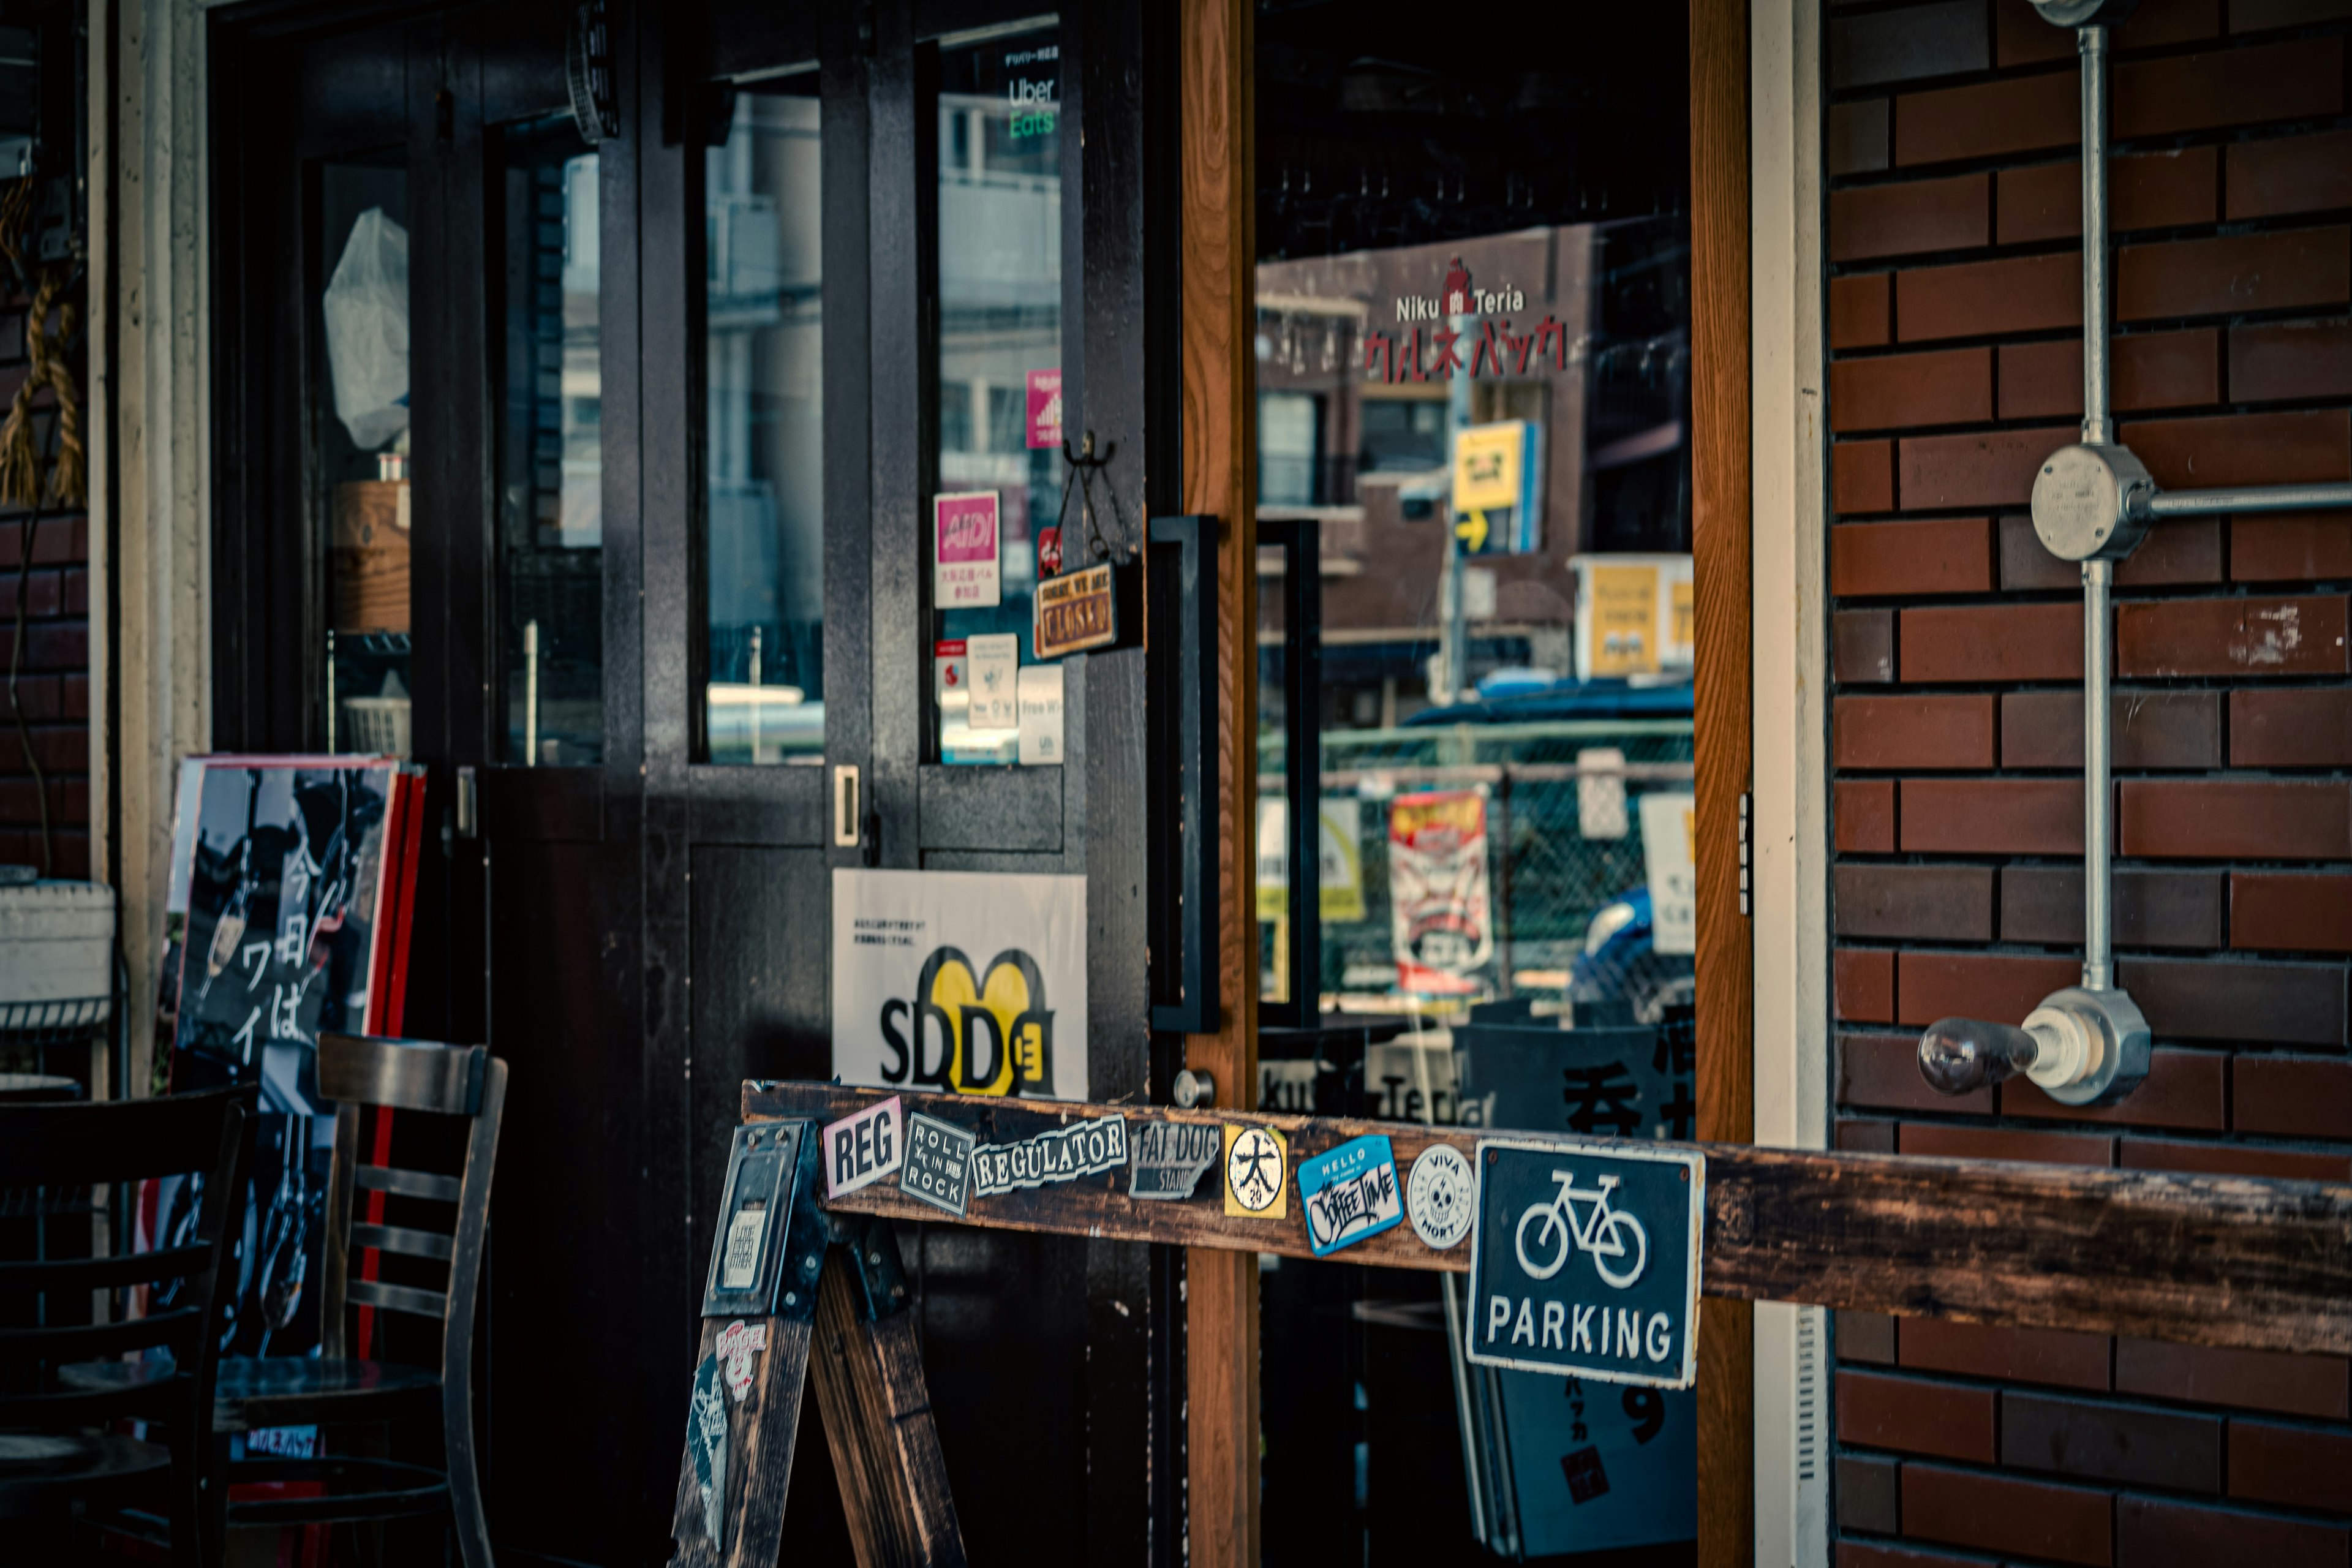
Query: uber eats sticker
(960, 981)
(1584, 1261)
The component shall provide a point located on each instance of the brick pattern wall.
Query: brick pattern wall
(54, 684)
(1954, 322)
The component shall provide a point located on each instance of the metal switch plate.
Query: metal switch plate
(748, 1255)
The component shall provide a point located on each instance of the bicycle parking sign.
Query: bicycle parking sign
(1585, 1260)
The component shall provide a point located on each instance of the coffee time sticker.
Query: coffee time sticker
(859, 1151)
(1584, 1261)
(1350, 1192)
(964, 571)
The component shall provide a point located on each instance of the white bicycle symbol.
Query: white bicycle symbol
(1605, 1234)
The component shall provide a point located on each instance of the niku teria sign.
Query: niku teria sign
(1584, 1261)
(961, 981)
(1452, 341)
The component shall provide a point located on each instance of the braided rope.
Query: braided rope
(20, 465)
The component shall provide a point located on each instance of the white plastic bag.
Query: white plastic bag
(366, 307)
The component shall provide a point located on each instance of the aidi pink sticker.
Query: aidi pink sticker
(964, 571)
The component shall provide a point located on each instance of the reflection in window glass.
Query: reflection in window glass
(550, 448)
(1472, 346)
(763, 351)
(361, 443)
(998, 372)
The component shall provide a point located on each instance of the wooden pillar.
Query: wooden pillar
(1218, 172)
(1720, 532)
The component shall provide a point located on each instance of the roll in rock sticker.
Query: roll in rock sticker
(1257, 1183)
(938, 1168)
(1082, 1149)
(1440, 1196)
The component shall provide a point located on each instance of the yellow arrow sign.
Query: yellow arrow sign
(1472, 531)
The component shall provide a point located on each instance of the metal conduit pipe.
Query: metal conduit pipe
(2085, 1044)
(2088, 1044)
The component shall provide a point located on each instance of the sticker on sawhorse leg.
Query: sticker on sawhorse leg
(706, 1440)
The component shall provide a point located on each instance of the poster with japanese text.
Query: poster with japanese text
(1441, 914)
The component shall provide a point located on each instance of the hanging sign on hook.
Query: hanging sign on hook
(1079, 610)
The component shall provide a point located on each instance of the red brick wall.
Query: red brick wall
(1954, 313)
(54, 685)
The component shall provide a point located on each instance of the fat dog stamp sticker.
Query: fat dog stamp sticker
(859, 1150)
(1257, 1180)
(1169, 1157)
(1350, 1192)
(1439, 1198)
(1081, 1149)
(938, 1167)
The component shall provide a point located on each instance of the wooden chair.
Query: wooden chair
(55, 1452)
(340, 1389)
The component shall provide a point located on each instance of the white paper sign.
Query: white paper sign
(960, 981)
(859, 1151)
(1673, 879)
(994, 664)
(1040, 689)
(1601, 792)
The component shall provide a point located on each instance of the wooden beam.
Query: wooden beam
(2201, 1259)
(878, 1424)
(1720, 570)
(1218, 175)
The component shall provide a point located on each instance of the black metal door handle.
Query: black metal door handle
(1180, 703)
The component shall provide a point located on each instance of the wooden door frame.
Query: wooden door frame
(1219, 196)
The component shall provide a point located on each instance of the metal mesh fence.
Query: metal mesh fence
(1563, 841)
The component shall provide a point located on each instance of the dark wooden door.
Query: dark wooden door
(626, 881)
(1039, 1350)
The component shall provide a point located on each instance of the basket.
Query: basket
(378, 725)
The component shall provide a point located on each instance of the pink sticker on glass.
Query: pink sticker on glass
(964, 572)
(1044, 409)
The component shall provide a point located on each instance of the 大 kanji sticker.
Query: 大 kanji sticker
(1257, 1176)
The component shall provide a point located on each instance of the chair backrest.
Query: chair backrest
(451, 1212)
(52, 1158)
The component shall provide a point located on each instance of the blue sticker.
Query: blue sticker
(1350, 1192)
(706, 1441)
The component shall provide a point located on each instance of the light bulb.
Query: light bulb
(1960, 1056)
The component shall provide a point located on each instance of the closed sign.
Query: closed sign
(1585, 1261)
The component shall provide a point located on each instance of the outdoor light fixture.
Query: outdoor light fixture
(2092, 503)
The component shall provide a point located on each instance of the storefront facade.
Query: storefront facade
(722, 321)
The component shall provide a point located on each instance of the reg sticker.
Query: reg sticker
(863, 1148)
(1258, 1184)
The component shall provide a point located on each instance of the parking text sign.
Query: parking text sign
(1585, 1260)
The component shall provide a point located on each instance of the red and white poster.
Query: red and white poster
(964, 570)
(1044, 409)
(1439, 912)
